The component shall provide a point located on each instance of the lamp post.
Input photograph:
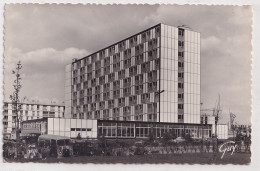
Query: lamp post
(156, 93)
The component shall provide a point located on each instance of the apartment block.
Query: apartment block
(28, 111)
(152, 76)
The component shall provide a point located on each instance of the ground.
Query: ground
(191, 158)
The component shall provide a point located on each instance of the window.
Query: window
(180, 106)
(150, 53)
(157, 61)
(181, 32)
(180, 64)
(180, 117)
(180, 43)
(180, 85)
(181, 54)
(180, 74)
(158, 29)
(180, 96)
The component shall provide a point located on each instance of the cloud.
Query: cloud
(43, 72)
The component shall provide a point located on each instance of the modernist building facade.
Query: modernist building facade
(148, 83)
(122, 82)
(28, 111)
(92, 129)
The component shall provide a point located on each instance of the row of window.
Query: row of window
(121, 104)
(145, 67)
(126, 82)
(145, 37)
(152, 87)
(116, 87)
(81, 129)
(180, 76)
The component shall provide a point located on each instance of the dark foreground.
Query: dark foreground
(191, 158)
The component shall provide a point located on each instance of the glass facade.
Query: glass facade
(119, 129)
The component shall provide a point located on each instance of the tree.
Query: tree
(16, 102)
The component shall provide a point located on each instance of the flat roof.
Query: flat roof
(37, 104)
(117, 43)
(145, 122)
(182, 27)
(35, 120)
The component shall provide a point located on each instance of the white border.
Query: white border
(255, 164)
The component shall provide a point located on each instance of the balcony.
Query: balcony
(140, 81)
(180, 90)
(145, 100)
(180, 58)
(128, 84)
(133, 73)
(121, 104)
(181, 69)
(153, 78)
(127, 55)
(180, 100)
(121, 76)
(138, 92)
(180, 121)
(152, 89)
(180, 79)
(180, 111)
(133, 102)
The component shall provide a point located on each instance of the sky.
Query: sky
(47, 37)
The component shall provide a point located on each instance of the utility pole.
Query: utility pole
(232, 119)
(216, 111)
(15, 101)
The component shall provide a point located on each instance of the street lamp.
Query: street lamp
(157, 93)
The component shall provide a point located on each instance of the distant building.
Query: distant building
(222, 129)
(245, 130)
(28, 111)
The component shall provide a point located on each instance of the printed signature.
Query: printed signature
(229, 146)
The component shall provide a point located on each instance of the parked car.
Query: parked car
(179, 140)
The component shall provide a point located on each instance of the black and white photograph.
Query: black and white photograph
(127, 84)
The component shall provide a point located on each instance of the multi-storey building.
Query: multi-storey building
(28, 111)
(123, 81)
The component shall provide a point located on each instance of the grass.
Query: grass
(190, 158)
